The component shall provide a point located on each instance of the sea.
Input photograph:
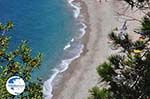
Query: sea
(51, 27)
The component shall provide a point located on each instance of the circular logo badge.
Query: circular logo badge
(15, 85)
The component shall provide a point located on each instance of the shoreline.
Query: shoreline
(81, 75)
(59, 84)
(49, 84)
(66, 75)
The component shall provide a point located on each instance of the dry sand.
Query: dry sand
(81, 76)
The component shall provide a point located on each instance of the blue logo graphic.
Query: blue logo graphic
(15, 85)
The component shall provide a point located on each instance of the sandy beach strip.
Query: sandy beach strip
(81, 75)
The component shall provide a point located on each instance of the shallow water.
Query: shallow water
(51, 27)
(46, 24)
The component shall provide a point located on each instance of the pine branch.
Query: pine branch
(131, 18)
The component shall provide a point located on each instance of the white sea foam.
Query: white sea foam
(47, 88)
(76, 8)
(67, 46)
(65, 63)
(83, 30)
(72, 40)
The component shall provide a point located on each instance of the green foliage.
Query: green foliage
(6, 27)
(115, 60)
(145, 24)
(114, 38)
(127, 74)
(117, 41)
(105, 70)
(97, 93)
(18, 62)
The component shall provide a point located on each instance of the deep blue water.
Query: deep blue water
(48, 25)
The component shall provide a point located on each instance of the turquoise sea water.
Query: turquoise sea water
(49, 26)
(46, 24)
